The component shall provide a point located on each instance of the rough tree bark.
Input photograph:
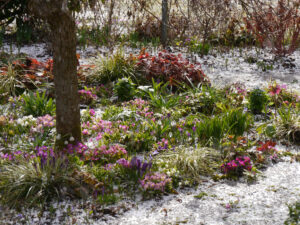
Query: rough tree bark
(62, 25)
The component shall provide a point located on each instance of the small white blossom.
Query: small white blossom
(72, 139)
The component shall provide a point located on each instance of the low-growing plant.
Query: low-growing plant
(204, 99)
(197, 47)
(134, 169)
(265, 65)
(160, 97)
(170, 67)
(238, 121)
(236, 167)
(155, 183)
(288, 123)
(87, 96)
(258, 100)
(37, 104)
(213, 130)
(36, 180)
(124, 89)
(112, 68)
(10, 81)
(111, 111)
(294, 214)
(193, 163)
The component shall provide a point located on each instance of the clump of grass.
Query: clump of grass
(194, 163)
(112, 68)
(232, 121)
(10, 81)
(31, 182)
(288, 124)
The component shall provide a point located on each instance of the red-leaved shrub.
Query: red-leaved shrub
(275, 26)
(172, 68)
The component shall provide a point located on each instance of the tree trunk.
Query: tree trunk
(63, 30)
(164, 24)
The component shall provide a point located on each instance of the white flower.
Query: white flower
(159, 122)
(66, 142)
(72, 139)
(58, 137)
(173, 123)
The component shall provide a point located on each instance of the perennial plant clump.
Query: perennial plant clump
(156, 182)
(171, 68)
(237, 166)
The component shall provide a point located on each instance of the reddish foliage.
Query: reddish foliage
(267, 146)
(170, 67)
(272, 25)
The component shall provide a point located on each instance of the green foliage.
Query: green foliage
(288, 124)
(37, 104)
(213, 130)
(238, 121)
(112, 69)
(201, 195)
(199, 48)
(294, 214)
(111, 111)
(107, 199)
(264, 65)
(258, 100)
(159, 96)
(124, 89)
(32, 182)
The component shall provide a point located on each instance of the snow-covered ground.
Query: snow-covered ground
(225, 202)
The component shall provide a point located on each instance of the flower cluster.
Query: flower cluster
(135, 164)
(42, 152)
(103, 153)
(10, 157)
(275, 89)
(155, 182)
(237, 166)
(162, 145)
(86, 96)
(43, 122)
(138, 103)
(26, 120)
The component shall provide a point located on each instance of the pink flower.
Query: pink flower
(92, 112)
